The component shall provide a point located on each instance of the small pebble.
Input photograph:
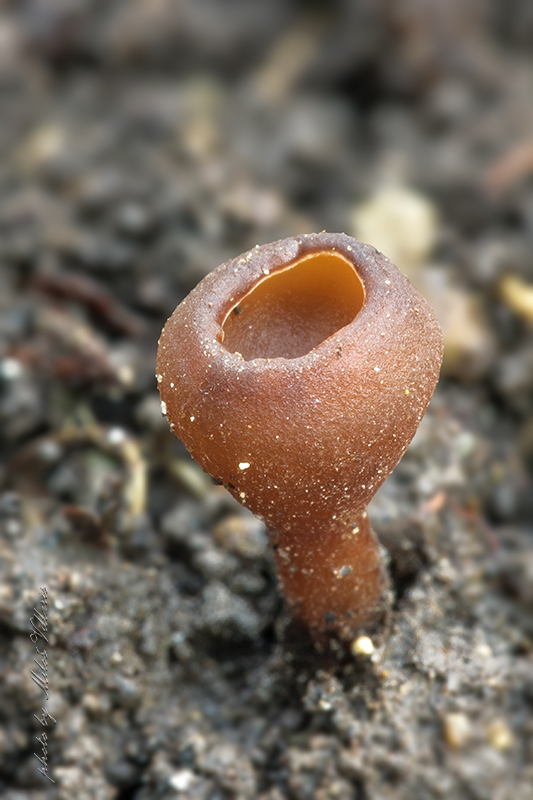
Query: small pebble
(10, 369)
(182, 780)
(244, 536)
(482, 650)
(133, 220)
(363, 646)
(457, 730)
(401, 223)
(96, 705)
(518, 296)
(500, 736)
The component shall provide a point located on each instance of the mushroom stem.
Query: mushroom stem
(339, 585)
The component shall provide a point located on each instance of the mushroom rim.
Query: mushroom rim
(204, 310)
(296, 307)
(239, 277)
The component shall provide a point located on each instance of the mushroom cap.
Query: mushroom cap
(312, 434)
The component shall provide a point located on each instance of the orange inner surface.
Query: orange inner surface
(294, 310)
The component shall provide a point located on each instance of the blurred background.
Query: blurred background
(142, 143)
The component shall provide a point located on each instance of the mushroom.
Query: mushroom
(296, 375)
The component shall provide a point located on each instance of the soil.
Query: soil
(142, 144)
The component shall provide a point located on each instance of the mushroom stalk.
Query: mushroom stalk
(338, 585)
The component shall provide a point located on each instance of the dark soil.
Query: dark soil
(142, 144)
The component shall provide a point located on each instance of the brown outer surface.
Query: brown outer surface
(321, 432)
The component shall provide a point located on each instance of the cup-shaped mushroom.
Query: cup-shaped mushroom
(297, 374)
